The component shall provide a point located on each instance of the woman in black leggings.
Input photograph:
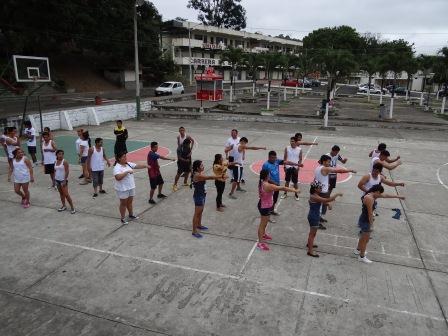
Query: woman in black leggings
(219, 169)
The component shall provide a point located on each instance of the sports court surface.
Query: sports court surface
(86, 274)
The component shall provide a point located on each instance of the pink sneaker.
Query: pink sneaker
(23, 201)
(263, 246)
(267, 237)
(26, 205)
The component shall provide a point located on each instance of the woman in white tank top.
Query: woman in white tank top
(48, 156)
(95, 163)
(61, 168)
(23, 175)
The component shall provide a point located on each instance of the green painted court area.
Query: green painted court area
(67, 143)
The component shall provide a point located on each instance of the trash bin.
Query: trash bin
(382, 114)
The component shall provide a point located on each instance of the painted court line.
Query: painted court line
(239, 278)
(439, 178)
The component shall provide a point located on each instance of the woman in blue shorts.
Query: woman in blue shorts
(198, 180)
(315, 203)
(365, 222)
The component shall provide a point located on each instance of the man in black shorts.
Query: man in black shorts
(335, 157)
(183, 162)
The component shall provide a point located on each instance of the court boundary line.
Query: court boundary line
(234, 277)
(438, 176)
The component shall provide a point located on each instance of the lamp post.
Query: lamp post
(137, 70)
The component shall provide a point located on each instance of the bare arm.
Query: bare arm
(285, 154)
(320, 199)
(205, 178)
(391, 183)
(243, 147)
(392, 160)
(272, 187)
(67, 170)
(343, 160)
(300, 159)
(368, 201)
(105, 158)
(392, 196)
(166, 158)
(306, 143)
(337, 170)
(371, 153)
(362, 182)
(30, 168)
(89, 157)
(390, 166)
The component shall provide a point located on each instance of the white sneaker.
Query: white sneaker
(364, 260)
(297, 197)
(271, 220)
(284, 196)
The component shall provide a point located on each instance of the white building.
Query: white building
(206, 43)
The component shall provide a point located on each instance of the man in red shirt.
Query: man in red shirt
(155, 177)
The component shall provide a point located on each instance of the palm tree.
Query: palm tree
(411, 68)
(252, 61)
(441, 74)
(425, 64)
(234, 58)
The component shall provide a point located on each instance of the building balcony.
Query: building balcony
(184, 42)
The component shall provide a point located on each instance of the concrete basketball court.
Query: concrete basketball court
(86, 274)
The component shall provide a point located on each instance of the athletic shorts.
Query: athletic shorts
(61, 183)
(154, 182)
(183, 167)
(97, 178)
(49, 168)
(32, 150)
(126, 193)
(263, 211)
(332, 181)
(199, 200)
(292, 175)
(314, 222)
(237, 172)
(84, 159)
(364, 226)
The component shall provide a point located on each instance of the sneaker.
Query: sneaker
(240, 189)
(81, 176)
(175, 188)
(321, 227)
(220, 209)
(314, 255)
(62, 208)
(284, 196)
(103, 191)
(161, 196)
(197, 235)
(132, 217)
(186, 184)
(275, 213)
(297, 197)
(223, 206)
(151, 201)
(26, 205)
(84, 182)
(232, 196)
(267, 237)
(364, 260)
(124, 221)
(95, 195)
(322, 220)
(202, 227)
(272, 220)
(356, 252)
(73, 211)
(263, 246)
(243, 181)
(23, 201)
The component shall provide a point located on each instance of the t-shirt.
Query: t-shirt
(31, 131)
(154, 171)
(85, 151)
(231, 141)
(274, 171)
(77, 143)
(334, 161)
(126, 183)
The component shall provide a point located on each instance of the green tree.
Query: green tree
(220, 13)
(252, 61)
(426, 64)
(335, 50)
(234, 58)
(411, 67)
(270, 61)
(370, 57)
(441, 74)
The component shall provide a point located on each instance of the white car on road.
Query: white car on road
(169, 88)
(373, 89)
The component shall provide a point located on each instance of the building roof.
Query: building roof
(199, 27)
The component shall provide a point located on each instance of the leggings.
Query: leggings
(220, 186)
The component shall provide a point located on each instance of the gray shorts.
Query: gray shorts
(125, 194)
(97, 178)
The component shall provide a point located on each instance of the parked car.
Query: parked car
(400, 91)
(169, 88)
(373, 89)
(315, 83)
(294, 82)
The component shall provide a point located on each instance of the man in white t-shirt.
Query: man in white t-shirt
(293, 153)
(30, 135)
(79, 131)
(231, 143)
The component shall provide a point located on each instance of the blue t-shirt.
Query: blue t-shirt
(154, 171)
(274, 171)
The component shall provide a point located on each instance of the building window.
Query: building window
(219, 40)
(225, 41)
(198, 37)
(205, 39)
(231, 43)
(211, 39)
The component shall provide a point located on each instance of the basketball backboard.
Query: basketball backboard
(31, 69)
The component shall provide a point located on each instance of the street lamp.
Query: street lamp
(189, 50)
(137, 70)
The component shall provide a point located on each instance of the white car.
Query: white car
(169, 88)
(373, 89)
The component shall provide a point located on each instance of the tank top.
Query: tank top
(199, 189)
(321, 178)
(180, 139)
(97, 160)
(49, 157)
(237, 156)
(314, 213)
(266, 198)
(374, 160)
(372, 181)
(59, 171)
(10, 148)
(364, 217)
(375, 153)
(333, 162)
(293, 155)
(21, 171)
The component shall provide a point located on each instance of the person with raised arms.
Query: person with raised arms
(384, 160)
(292, 153)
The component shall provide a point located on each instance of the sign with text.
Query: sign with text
(213, 46)
(203, 61)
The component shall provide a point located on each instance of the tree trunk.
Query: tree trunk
(231, 85)
(368, 88)
(423, 91)
(442, 110)
(381, 94)
(268, 101)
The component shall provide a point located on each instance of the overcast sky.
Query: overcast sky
(422, 22)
